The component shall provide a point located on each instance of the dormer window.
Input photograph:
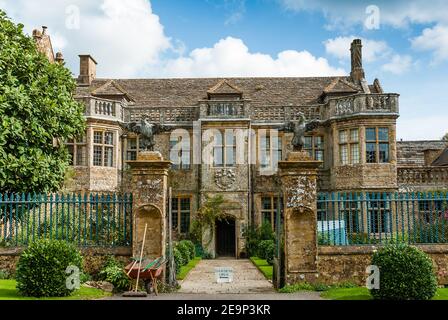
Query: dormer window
(224, 90)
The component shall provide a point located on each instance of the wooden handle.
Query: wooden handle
(141, 257)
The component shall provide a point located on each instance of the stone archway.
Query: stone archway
(152, 216)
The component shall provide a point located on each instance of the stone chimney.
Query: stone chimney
(357, 73)
(87, 69)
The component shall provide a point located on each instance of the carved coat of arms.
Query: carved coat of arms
(225, 178)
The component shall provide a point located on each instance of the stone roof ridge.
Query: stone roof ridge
(111, 87)
(341, 85)
(224, 86)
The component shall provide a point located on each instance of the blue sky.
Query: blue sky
(405, 44)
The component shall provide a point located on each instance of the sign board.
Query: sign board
(224, 274)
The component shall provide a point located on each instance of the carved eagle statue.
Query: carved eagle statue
(147, 131)
(299, 128)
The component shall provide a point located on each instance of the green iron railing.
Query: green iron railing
(382, 218)
(83, 219)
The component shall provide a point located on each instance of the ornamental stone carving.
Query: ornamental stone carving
(301, 193)
(151, 190)
(225, 178)
(344, 107)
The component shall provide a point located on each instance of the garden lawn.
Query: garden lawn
(8, 292)
(263, 266)
(362, 293)
(184, 270)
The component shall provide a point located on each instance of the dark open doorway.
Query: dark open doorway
(226, 238)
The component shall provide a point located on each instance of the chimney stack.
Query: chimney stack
(87, 69)
(357, 73)
(44, 30)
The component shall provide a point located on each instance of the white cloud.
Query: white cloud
(398, 64)
(342, 15)
(434, 39)
(372, 50)
(397, 13)
(231, 57)
(125, 37)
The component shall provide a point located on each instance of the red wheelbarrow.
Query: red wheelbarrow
(150, 271)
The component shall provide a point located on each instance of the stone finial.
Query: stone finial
(357, 72)
(37, 34)
(59, 58)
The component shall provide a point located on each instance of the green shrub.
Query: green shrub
(184, 251)
(84, 277)
(113, 272)
(178, 259)
(207, 255)
(41, 270)
(406, 273)
(255, 235)
(191, 248)
(5, 275)
(266, 250)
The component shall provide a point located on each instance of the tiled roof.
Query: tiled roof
(442, 160)
(187, 92)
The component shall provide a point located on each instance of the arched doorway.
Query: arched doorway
(226, 237)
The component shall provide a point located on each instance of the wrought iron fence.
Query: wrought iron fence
(381, 218)
(83, 219)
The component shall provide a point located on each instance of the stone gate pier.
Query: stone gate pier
(298, 176)
(149, 187)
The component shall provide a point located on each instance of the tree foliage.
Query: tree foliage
(36, 107)
(211, 210)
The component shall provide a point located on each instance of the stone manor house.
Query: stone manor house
(356, 142)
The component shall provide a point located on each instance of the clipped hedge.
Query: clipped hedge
(178, 259)
(184, 251)
(406, 273)
(41, 270)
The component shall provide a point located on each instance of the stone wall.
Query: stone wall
(341, 264)
(94, 258)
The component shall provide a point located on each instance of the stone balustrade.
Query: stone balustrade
(103, 109)
(164, 115)
(437, 176)
(361, 104)
(238, 109)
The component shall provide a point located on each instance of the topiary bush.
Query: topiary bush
(178, 259)
(113, 272)
(266, 250)
(406, 273)
(184, 251)
(191, 248)
(41, 270)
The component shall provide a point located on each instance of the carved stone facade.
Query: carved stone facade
(356, 143)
